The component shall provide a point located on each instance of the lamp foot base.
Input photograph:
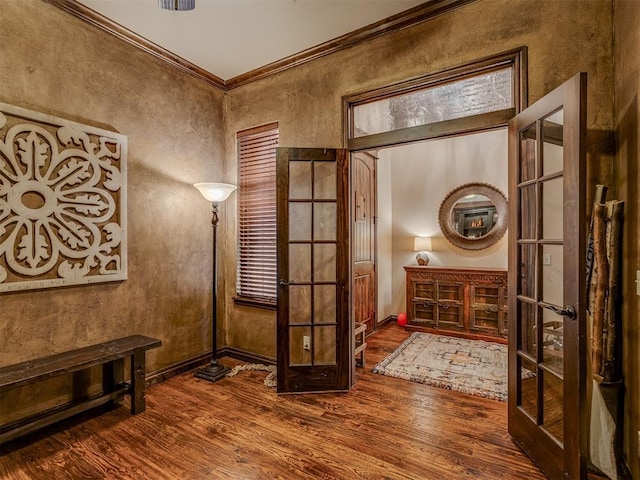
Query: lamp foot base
(213, 372)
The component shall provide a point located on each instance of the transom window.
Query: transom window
(471, 97)
(487, 92)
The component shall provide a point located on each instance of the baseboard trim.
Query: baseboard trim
(245, 356)
(177, 368)
(384, 321)
(204, 358)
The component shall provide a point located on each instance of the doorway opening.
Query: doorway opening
(423, 135)
(411, 182)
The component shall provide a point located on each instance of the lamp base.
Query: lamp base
(213, 372)
(422, 258)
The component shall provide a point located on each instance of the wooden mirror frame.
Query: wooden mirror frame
(446, 207)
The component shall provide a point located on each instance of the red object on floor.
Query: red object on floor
(402, 319)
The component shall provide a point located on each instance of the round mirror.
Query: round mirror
(473, 216)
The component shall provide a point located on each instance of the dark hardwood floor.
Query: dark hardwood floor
(384, 428)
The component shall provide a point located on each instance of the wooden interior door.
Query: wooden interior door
(314, 340)
(547, 256)
(363, 237)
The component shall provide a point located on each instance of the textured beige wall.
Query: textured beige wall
(627, 128)
(563, 38)
(54, 63)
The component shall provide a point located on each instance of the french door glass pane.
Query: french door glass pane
(552, 341)
(552, 274)
(528, 217)
(297, 354)
(552, 410)
(552, 145)
(529, 387)
(299, 263)
(324, 262)
(300, 221)
(528, 147)
(299, 304)
(324, 221)
(324, 345)
(324, 180)
(299, 180)
(552, 220)
(527, 328)
(528, 267)
(324, 304)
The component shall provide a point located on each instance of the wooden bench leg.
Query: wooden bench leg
(81, 382)
(137, 381)
(113, 376)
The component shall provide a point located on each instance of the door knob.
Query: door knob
(283, 282)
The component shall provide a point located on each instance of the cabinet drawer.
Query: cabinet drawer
(485, 294)
(450, 291)
(424, 313)
(424, 290)
(485, 318)
(450, 314)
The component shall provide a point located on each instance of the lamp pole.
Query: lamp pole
(216, 193)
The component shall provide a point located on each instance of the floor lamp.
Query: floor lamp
(216, 193)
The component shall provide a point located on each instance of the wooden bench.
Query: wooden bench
(110, 355)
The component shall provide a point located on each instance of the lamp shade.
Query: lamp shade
(422, 244)
(215, 192)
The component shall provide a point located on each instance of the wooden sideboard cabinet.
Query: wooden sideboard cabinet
(468, 302)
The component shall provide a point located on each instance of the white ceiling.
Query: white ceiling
(231, 37)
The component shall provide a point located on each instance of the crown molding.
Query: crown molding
(95, 19)
(408, 18)
(413, 16)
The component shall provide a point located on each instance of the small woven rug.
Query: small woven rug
(470, 366)
(269, 381)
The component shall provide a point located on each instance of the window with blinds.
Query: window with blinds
(257, 215)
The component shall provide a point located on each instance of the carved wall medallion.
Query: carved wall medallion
(62, 202)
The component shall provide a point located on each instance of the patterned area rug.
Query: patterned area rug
(469, 366)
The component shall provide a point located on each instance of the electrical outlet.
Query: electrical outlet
(546, 259)
(638, 287)
(306, 342)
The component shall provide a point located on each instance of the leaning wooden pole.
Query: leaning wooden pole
(601, 284)
(614, 211)
(599, 196)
